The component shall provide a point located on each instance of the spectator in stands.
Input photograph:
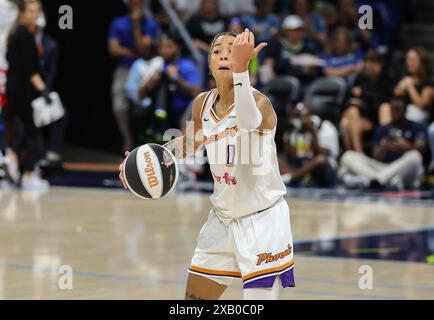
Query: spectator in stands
(203, 26)
(342, 58)
(329, 14)
(187, 8)
(349, 18)
(398, 149)
(236, 25)
(416, 87)
(310, 149)
(314, 23)
(280, 53)
(282, 9)
(170, 88)
(263, 23)
(130, 37)
(184, 8)
(24, 84)
(48, 58)
(206, 24)
(231, 8)
(371, 88)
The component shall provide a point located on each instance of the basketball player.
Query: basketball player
(248, 233)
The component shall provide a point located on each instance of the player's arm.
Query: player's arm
(269, 118)
(253, 111)
(186, 145)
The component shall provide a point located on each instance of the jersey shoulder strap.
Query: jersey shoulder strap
(208, 102)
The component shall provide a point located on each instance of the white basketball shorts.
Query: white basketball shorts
(255, 248)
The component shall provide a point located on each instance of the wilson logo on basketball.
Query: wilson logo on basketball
(268, 257)
(150, 170)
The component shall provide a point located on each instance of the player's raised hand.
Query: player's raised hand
(243, 50)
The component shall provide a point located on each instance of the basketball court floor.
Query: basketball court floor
(122, 247)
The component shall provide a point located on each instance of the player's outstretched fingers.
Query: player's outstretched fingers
(246, 36)
(251, 38)
(260, 46)
(240, 39)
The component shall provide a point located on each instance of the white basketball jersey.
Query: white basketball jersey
(243, 164)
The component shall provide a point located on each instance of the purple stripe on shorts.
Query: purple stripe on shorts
(287, 279)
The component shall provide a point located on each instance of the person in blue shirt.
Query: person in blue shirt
(168, 86)
(342, 59)
(398, 149)
(314, 23)
(348, 17)
(130, 37)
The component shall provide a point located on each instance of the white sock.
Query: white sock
(264, 293)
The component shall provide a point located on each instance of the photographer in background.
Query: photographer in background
(310, 149)
(398, 149)
(130, 37)
(170, 88)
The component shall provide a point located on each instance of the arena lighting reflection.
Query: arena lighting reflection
(416, 246)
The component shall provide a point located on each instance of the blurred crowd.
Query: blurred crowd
(347, 114)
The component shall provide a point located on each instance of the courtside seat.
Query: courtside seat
(326, 96)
